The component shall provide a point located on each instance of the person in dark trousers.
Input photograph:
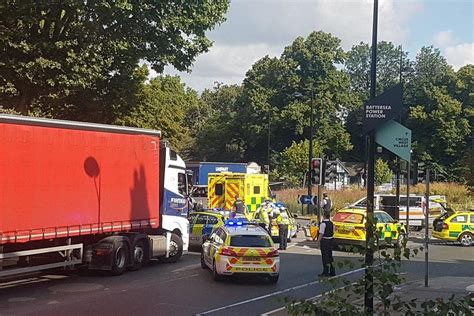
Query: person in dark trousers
(283, 221)
(326, 236)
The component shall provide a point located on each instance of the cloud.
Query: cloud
(456, 53)
(256, 28)
(444, 38)
(224, 63)
(460, 55)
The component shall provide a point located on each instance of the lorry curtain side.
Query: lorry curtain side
(60, 182)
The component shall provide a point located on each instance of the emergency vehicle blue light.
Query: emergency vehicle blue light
(234, 222)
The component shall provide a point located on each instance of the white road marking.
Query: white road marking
(190, 267)
(278, 292)
(309, 299)
(177, 279)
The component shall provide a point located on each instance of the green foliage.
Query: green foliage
(389, 65)
(307, 66)
(165, 104)
(218, 126)
(383, 174)
(83, 54)
(292, 165)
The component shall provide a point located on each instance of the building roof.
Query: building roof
(354, 168)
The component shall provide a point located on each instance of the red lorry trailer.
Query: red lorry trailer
(79, 193)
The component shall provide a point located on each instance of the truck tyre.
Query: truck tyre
(176, 249)
(466, 239)
(139, 255)
(120, 257)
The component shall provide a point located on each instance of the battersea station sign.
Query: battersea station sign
(396, 138)
(383, 108)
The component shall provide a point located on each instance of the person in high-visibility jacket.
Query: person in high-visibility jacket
(283, 221)
(264, 219)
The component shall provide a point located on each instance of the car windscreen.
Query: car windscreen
(347, 217)
(250, 241)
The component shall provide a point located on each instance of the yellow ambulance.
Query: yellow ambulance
(223, 188)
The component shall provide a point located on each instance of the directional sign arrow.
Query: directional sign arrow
(396, 138)
(308, 199)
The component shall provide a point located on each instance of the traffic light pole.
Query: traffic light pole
(408, 198)
(310, 184)
(427, 211)
(369, 255)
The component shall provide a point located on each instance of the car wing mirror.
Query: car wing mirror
(295, 215)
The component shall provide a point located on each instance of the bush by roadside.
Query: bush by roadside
(459, 197)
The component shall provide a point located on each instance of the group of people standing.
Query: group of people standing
(325, 235)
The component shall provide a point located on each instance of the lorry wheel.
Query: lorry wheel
(119, 258)
(466, 239)
(139, 255)
(176, 249)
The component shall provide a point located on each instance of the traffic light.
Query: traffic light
(317, 171)
(420, 172)
(331, 170)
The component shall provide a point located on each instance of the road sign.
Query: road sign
(396, 138)
(308, 199)
(383, 108)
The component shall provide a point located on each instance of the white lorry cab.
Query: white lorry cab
(387, 203)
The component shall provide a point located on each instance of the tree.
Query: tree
(268, 103)
(389, 65)
(292, 163)
(165, 104)
(440, 119)
(218, 131)
(383, 174)
(441, 110)
(69, 54)
(430, 70)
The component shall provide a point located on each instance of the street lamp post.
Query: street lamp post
(369, 255)
(268, 147)
(298, 95)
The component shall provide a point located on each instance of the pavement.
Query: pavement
(438, 287)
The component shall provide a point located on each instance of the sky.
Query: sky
(255, 28)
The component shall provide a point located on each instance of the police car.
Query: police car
(202, 224)
(240, 248)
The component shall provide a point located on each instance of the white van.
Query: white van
(387, 202)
